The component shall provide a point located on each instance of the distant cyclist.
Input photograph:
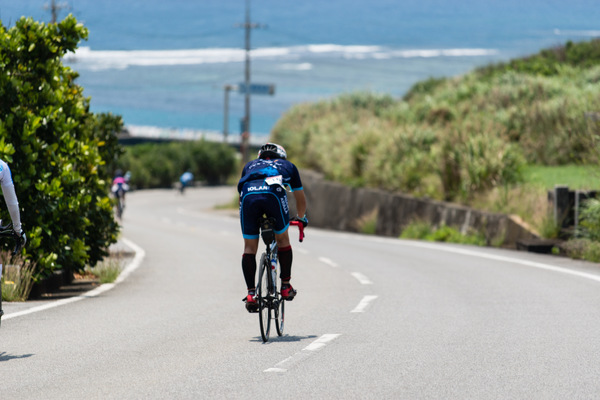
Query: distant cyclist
(186, 179)
(262, 189)
(10, 197)
(119, 187)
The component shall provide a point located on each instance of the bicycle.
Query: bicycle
(119, 202)
(270, 303)
(7, 231)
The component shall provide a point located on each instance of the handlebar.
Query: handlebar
(300, 228)
(7, 231)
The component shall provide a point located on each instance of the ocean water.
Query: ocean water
(165, 63)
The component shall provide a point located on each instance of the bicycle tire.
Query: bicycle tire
(280, 316)
(263, 298)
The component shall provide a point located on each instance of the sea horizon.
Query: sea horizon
(167, 65)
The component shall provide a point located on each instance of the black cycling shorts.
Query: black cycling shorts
(258, 198)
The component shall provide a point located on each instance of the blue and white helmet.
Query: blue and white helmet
(272, 150)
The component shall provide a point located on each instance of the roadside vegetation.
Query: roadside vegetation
(424, 231)
(496, 139)
(61, 155)
(159, 165)
(108, 270)
(17, 277)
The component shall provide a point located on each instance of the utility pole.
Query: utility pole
(246, 121)
(55, 8)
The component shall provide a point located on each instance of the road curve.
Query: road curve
(374, 318)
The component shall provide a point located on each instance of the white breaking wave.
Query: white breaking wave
(119, 59)
(296, 67)
(592, 33)
(155, 132)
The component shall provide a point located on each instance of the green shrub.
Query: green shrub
(416, 230)
(549, 62)
(582, 249)
(159, 165)
(589, 219)
(424, 231)
(58, 151)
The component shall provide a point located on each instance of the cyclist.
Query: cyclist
(186, 179)
(262, 189)
(10, 197)
(119, 186)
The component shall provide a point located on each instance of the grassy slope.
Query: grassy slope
(475, 138)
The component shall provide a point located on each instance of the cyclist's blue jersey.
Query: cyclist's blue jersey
(262, 191)
(260, 169)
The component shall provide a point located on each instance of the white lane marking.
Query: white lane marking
(132, 266)
(315, 346)
(473, 253)
(362, 278)
(364, 303)
(321, 342)
(327, 261)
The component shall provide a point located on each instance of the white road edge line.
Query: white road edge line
(317, 345)
(362, 278)
(526, 263)
(327, 261)
(364, 303)
(132, 266)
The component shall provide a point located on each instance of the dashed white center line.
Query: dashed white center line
(315, 346)
(327, 261)
(363, 304)
(361, 278)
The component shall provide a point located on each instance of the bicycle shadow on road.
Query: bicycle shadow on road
(7, 357)
(284, 338)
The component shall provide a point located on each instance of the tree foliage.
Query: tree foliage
(57, 149)
(159, 165)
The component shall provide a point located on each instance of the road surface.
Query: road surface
(375, 318)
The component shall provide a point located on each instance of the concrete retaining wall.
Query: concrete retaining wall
(332, 205)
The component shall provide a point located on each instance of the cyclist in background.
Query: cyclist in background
(119, 187)
(185, 180)
(262, 189)
(12, 203)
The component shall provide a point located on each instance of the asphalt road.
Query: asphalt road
(375, 318)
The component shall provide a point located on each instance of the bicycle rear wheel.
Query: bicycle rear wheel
(263, 297)
(279, 316)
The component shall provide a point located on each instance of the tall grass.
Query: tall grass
(496, 139)
(17, 279)
(455, 139)
(108, 270)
